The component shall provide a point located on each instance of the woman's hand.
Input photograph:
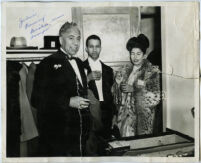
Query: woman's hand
(114, 121)
(125, 88)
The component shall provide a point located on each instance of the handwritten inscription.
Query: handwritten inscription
(40, 33)
(28, 25)
(54, 19)
(41, 26)
(37, 25)
(23, 20)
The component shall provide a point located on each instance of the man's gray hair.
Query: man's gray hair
(66, 26)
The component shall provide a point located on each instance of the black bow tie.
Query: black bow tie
(70, 58)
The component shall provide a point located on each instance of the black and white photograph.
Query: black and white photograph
(101, 81)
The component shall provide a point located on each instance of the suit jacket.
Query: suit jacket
(59, 124)
(107, 106)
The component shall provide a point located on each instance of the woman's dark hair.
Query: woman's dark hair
(141, 42)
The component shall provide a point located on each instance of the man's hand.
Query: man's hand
(126, 88)
(94, 75)
(79, 102)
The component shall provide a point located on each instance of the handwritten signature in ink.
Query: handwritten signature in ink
(40, 33)
(28, 25)
(41, 28)
(37, 25)
(23, 20)
(54, 19)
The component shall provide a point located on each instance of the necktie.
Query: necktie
(70, 58)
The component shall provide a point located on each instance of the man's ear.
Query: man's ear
(86, 49)
(60, 40)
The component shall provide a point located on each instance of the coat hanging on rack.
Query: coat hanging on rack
(13, 125)
(28, 126)
(29, 86)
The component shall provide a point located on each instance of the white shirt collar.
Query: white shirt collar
(91, 61)
(74, 66)
(95, 65)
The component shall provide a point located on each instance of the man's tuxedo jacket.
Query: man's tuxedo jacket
(59, 124)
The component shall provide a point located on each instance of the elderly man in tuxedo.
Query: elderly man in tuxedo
(100, 81)
(60, 96)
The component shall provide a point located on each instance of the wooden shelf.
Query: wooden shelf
(28, 55)
(39, 51)
(37, 55)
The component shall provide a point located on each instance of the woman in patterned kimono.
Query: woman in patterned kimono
(136, 90)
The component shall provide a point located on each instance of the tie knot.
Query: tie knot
(70, 58)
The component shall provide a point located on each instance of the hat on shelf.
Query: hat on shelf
(51, 42)
(19, 43)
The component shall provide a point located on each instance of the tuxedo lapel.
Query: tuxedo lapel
(86, 64)
(103, 74)
(104, 79)
(69, 71)
(92, 84)
(82, 74)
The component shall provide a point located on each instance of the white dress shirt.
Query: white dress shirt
(96, 66)
(74, 66)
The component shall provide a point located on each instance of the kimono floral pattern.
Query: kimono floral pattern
(136, 110)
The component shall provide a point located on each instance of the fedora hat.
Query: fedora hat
(19, 43)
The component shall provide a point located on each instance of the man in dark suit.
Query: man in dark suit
(59, 94)
(100, 81)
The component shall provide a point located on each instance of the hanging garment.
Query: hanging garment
(29, 87)
(13, 122)
(28, 127)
